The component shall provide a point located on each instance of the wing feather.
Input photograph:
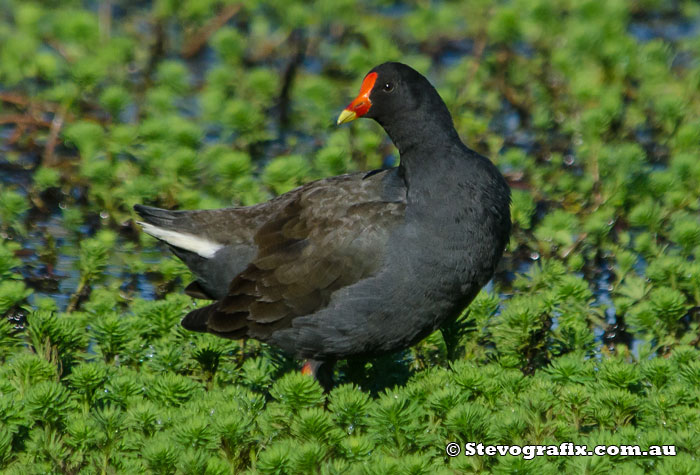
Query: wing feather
(323, 237)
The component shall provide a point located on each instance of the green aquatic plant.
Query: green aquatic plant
(12, 294)
(59, 338)
(284, 173)
(12, 205)
(589, 333)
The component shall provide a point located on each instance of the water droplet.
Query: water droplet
(104, 214)
(534, 256)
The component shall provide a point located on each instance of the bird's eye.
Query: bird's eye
(388, 87)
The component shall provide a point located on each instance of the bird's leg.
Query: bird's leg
(322, 371)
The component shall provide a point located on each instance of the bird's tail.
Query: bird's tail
(173, 228)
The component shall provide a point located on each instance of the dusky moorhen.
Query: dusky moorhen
(355, 265)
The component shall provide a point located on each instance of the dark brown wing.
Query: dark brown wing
(327, 235)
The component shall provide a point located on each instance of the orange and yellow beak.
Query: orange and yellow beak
(361, 104)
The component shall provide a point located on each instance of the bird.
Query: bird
(357, 265)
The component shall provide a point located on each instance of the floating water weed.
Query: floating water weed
(349, 404)
(171, 389)
(297, 392)
(48, 402)
(160, 455)
(588, 334)
(276, 459)
(86, 379)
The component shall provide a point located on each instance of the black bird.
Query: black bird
(355, 265)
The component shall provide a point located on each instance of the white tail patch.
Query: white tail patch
(189, 242)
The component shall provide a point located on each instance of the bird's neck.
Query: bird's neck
(416, 137)
(429, 152)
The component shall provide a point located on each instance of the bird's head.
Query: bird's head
(390, 90)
